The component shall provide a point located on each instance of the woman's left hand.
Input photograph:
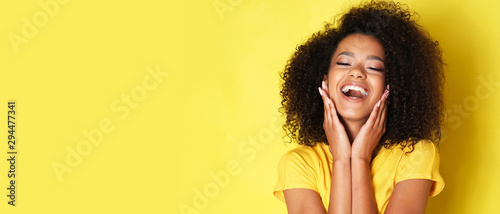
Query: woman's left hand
(370, 133)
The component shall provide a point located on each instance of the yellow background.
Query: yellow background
(207, 136)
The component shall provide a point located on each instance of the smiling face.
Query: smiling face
(356, 78)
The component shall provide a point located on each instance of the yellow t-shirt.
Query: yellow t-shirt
(311, 167)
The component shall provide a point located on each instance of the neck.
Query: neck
(352, 128)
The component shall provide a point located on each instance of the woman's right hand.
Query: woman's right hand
(338, 141)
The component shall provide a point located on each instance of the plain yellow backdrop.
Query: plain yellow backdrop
(172, 107)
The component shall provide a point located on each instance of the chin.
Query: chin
(354, 115)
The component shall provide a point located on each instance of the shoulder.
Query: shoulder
(422, 149)
(426, 145)
(422, 163)
(401, 153)
(423, 154)
(307, 154)
(302, 167)
(306, 161)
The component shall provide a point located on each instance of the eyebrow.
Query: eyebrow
(351, 54)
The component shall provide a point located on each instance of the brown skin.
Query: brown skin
(300, 201)
(354, 130)
(351, 190)
(413, 69)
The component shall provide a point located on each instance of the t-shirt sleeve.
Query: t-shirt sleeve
(422, 163)
(294, 172)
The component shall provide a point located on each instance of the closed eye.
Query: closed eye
(377, 69)
(342, 64)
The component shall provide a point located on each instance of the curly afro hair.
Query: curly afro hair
(414, 72)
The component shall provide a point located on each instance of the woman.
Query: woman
(368, 135)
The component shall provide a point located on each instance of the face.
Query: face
(356, 78)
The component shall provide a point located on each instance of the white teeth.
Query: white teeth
(356, 88)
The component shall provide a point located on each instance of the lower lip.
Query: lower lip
(353, 100)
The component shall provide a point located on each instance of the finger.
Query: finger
(373, 115)
(324, 86)
(383, 113)
(374, 118)
(325, 105)
(383, 108)
(331, 106)
(380, 121)
(333, 112)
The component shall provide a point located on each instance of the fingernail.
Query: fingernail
(378, 103)
(323, 84)
(320, 92)
(330, 101)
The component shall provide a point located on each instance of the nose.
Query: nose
(357, 73)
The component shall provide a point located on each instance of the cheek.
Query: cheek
(379, 81)
(380, 86)
(332, 85)
(334, 76)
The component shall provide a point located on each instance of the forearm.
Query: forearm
(363, 198)
(340, 189)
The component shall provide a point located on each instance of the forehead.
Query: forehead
(360, 45)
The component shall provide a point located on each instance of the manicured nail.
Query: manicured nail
(378, 103)
(320, 92)
(323, 84)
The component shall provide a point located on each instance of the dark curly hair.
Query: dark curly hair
(414, 72)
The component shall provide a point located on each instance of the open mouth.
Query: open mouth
(354, 92)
